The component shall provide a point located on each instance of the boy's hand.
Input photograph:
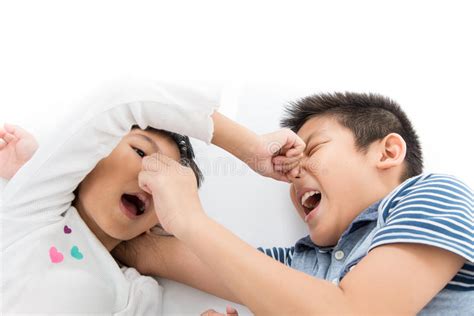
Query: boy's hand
(17, 146)
(174, 190)
(230, 311)
(277, 154)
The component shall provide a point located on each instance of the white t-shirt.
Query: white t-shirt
(52, 262)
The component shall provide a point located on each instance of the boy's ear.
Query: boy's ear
(392, 151)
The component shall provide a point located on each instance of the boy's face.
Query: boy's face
(110, 199)
(343, 180)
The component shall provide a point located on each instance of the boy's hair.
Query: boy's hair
(186, 151)
(370, 117)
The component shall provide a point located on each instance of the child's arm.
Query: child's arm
(17, 146)
(43, 189)
(272, 155)
(169, 258)
(391, 279)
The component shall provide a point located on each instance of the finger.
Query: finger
(2, 132)
(3, 144)
(160, 159)
(287, 162)
(150, 163)
(146, 180)
(295, 151)
(210, 312)
(165, 159)
(292, 138)
(283, 160)
(286, 168)
(299, 143)
(9, 137)
(154, 163)
(230, 311)
(294, 144)
(16, 130)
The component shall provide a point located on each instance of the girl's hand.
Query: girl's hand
(174, 190)
(277, 154)
(17, 146)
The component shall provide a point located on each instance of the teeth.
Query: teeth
(142, 197)
(306, 196)
(139, 200)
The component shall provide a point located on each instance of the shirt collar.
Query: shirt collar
(368, 215)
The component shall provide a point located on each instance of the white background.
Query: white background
(419, 53)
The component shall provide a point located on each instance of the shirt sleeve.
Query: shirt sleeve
(43, 188)
(3, 184)
(283, 255)
(436, 211)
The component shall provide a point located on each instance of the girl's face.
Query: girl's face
(109, 199)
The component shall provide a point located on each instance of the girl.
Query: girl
(57, 235)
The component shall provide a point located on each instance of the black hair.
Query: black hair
(370, 117)
(186, 151)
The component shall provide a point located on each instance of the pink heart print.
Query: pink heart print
(67, 230)
(55, 255)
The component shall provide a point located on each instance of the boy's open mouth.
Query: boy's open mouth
(134, 204)
(310, 200)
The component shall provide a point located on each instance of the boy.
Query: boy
(368, 209)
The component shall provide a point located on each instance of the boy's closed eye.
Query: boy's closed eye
(314, 148)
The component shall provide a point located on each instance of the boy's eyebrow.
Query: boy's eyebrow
(149, 140)
(313, 135)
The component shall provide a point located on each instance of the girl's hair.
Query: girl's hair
(186, 151)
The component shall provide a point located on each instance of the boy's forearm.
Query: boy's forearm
(264, 285)
(171, 259)
(233, 137)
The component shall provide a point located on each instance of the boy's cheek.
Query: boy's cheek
(294, 199)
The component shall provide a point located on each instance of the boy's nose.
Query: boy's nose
(298, 171)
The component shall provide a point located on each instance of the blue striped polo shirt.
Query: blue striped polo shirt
(430, 209)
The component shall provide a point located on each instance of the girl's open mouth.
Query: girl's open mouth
(132, 205)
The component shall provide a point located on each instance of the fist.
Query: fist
(277, 154)
(174, 190)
